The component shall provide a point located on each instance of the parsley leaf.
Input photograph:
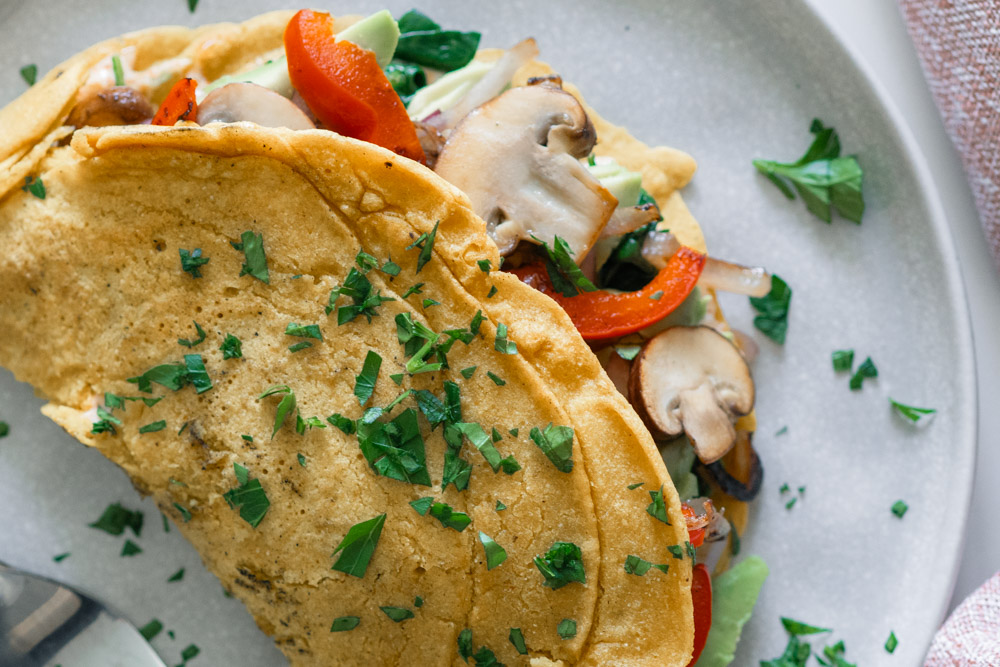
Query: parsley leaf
(467, 372)
(60, 557)
(561, 564)
(465, 644)
(391, 268)
(567, 278)
(364, 302)
(231, 347)
(516, 638)
(301, 345)
(304, 330)
(130, 548)
(30, 74)
(285, 406)
(397, 614)
(255, 262)
(176, 576)
(823, 178)
(394, 449)
(640, 566)
(190, 261)
(431, 406)
(448, 517)
(197, 341)
(151, 629)
(426, 244)
(196, 373)
(249, 497)
(556, 442)
(891, 643)
(567, 628)
(484, 266)
(345, 623)
(865, 370)
(364, 385)
(481, 441)
(119, 72)
(501, 344)
(914, 414)
(184, 512)
(500, 506)
(358, 546)
(772, 309)
(153, 427)
(343, 423)
(497, 380)
(34, 186)
(422, 505)
(414, 289)
(456, 469)
(115, 519)
(798, 628)
(796, 654)
(843, 360)
(171, 376)
(495, 554)
(658, 508)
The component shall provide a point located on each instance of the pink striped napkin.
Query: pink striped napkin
(959, 44)
(971, 636)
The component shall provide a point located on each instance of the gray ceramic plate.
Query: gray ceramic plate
(726, 82)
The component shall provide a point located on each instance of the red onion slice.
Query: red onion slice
(735, 278)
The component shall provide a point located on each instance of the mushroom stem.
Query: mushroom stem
(708, 426)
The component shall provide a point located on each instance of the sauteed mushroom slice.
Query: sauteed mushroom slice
(249, 102)
(118, 105)
(692, 380)
(517, 158)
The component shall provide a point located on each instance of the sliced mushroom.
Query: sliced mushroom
(236, 102)
(625, 220)
(118, 105)
(692, 380)
(517, 158)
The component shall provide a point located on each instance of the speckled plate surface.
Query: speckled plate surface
(726, 82)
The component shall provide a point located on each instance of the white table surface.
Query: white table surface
(875, 33)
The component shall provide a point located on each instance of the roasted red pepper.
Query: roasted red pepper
(701, 595)
(344, 86)
(695, 525)
(180, 104)
(602, 315)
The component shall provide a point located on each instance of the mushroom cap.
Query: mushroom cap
(517, 159)
(692, 380)
(236, 102)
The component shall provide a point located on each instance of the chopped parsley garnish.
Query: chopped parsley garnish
(658, 508)
(500, 506)
(119, 71)
(176, 576)
(899, 508)
(116, 519)
(676, 550)
(191, 343)
(798, 628)
(391, 268)
(495, 554)
(492, 292)
(628, 352)
(640, 566)
(343, 423)
(567, 278)
(516, 638)
(448, 517)
(418, 602)
(414, 289)
(495, 435)
(497, 380)
(345, 623)
(358, 546)
(151, 629)
(231, 347)
(657, 295)
(456, 469)
(509, 465)
(130, 548)
(60, 558)
(255, 262)
(791, 503)
(477, 321)
(302, 459)
(632, 487)
(171, 376)
(153, 427)
(426, 244)
(734, 539)
(501, 344)
(30, 74)
(913, 414)
(823, 178)
(467, 372)
(285, 406)
(513, 432)
(364, 301)
(625, 268)
(781, 431)
(34, 186)
(397, 378)
(891, 643)
(4, 429)
(196, 373)
(431, 406)
(365, 261)
(191, 261)
(865, 370)
(397, 614)
(364, 385)
(249, 497)
(567, 628)
(427, 303)
(561, 564)
(394, 449)
(192, 5)
(465, 644)
(423, 42)
(843, 360)
(481, 441)
(484, 265)
(304, 330)
(106, 423)
(301, 345)
(772, 309)
(421, 505)
(184, 512)
(190, 651)
(418, 341)
(556, 442)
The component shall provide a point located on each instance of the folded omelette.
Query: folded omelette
(389, 453)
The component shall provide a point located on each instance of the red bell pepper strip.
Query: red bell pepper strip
(696, 529)
(344, 86)
(701, 596)
(180, 104)
(602, 315)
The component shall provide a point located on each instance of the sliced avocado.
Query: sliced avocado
(378, 32)
(734, 594)
(446, 90)
(273, 75)
(624, 184)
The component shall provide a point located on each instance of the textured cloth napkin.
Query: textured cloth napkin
(971, 636)
(959, 44)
